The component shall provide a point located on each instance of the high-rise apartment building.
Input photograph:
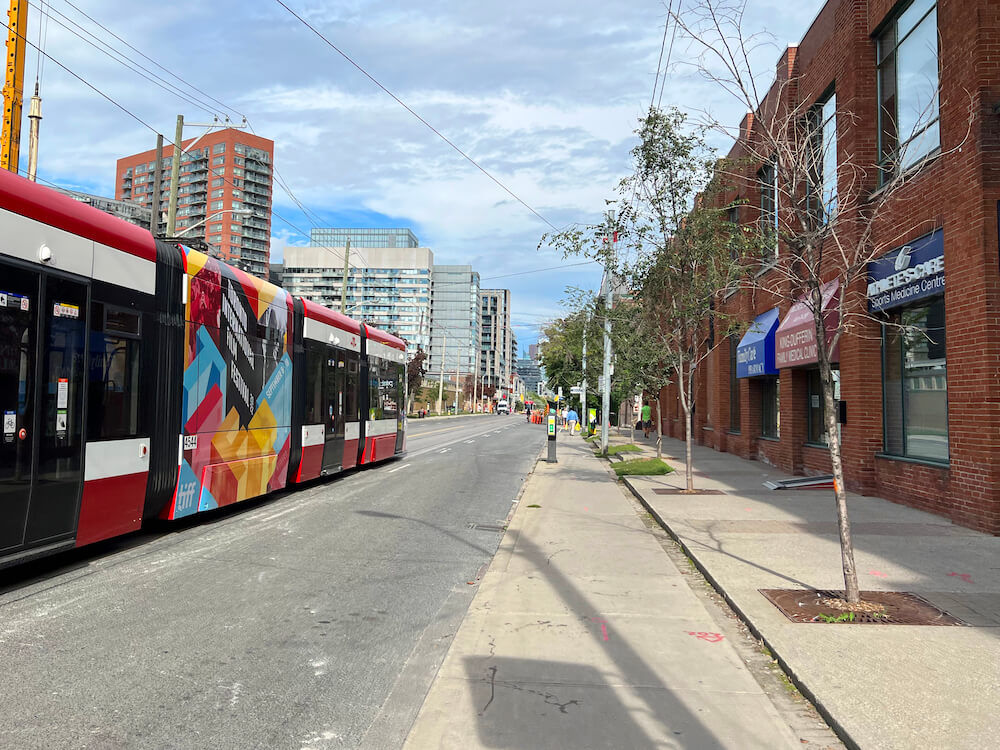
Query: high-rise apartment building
(223, 193)
(368, 237)
(386, 287)
(455, 321)
(497, 345)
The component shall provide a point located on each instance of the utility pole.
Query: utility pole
(444, 348)
(606, 370)
(343, 283)
(583, 395)
(157, 185)
(13, 88)
(175, 168)
(35, 118)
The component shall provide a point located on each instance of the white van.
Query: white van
(503, 407)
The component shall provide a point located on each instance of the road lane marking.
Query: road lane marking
(469, 441)
(398, 468)
(445, 450)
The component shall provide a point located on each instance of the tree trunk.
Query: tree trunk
(689, 469)
(631, 424)
(659, 429)
(852, 592)
(684, 389)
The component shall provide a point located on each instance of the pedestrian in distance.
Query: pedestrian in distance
(647, 420)
(571, 420)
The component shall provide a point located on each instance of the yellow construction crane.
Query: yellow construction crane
(13, 87)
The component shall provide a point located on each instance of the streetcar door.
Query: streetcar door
(55, 496)
(333, 452)
(19, 306)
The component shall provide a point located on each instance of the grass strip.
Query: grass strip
(645, 467)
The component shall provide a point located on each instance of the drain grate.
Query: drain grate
(901, 607)
(485, 526)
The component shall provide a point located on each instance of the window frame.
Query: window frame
(904, 453)
(770, 385)
(889, 164)
(767, 177)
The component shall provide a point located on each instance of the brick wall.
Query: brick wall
(959, 192)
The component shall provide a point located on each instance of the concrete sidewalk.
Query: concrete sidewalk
(880, 686)
(584, 634)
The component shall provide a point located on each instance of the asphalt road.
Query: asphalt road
(313, 619)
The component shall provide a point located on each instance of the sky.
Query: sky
(545, 96)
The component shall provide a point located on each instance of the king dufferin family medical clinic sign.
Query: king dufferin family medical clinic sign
(908, 274)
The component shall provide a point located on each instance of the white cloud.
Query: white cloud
(543, 95)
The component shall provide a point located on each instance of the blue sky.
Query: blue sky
(545, 96)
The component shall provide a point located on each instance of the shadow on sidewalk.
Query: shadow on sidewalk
(502, 686)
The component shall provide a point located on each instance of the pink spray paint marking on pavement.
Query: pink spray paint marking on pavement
(878, 573)
(964, 576)
(604, 627)
(709, 637)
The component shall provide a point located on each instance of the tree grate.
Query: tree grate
(900, 608)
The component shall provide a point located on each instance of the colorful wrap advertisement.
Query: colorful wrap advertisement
(237, 388)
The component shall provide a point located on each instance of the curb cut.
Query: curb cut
(828, 717)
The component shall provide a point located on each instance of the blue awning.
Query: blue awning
(755, 353)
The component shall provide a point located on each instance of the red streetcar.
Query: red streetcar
(141, 379)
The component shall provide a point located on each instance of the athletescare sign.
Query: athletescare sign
(907, 274)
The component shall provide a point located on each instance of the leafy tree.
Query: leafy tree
(678, 252)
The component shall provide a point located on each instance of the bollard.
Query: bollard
(552, 440)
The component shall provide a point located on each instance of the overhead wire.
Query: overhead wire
(409, 109)
(124, 60)
(149, 59)
(109, 51)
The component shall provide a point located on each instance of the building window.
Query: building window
(770, 408)
(216, 205)
(908, 88)
(768, 178)
(734, 387)
(219, 148)
(915, 382)
(816, 409)
(824, 159)
(218, 161)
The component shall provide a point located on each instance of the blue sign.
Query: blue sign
(755, 353)
(907, 274)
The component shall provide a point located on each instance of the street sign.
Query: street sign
(600, 383)
(559, 394)
(576, 390)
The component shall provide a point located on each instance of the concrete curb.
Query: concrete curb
(796, 680)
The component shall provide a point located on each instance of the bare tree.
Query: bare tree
(828, 220)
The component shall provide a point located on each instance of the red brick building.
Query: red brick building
(920, 414)
(222, 174)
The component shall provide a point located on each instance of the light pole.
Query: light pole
(175, 162)
(233, 211)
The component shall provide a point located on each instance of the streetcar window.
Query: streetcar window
(114, 391)
(388, 391)
(374, 398)
(315, 359)
(351, 395)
